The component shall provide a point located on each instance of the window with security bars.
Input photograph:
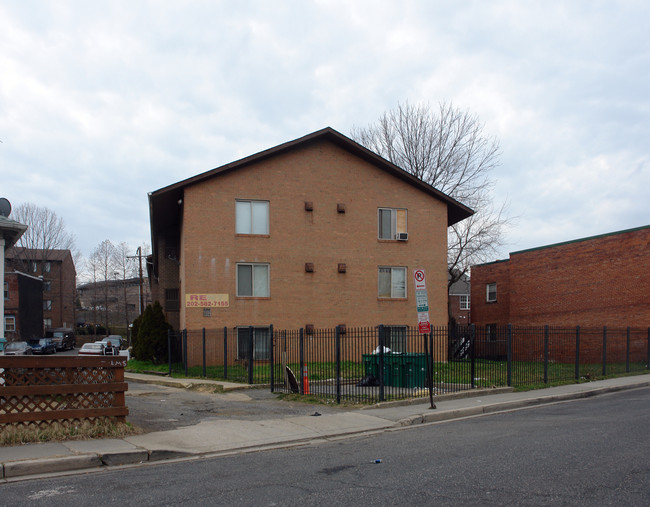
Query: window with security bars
(395, 338)
(172, 302)
(261, 343)
(392, 282)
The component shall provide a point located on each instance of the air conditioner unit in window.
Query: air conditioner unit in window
(402, 236)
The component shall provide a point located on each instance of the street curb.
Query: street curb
(50, 465)
(431, 417)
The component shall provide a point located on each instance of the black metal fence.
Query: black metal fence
(395, 362)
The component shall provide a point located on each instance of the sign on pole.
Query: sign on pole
(422, 301)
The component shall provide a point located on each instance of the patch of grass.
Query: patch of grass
(11, 434)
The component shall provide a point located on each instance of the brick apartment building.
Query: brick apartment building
(593, 282)
(56, 267)
(23, 306)
(317, 231)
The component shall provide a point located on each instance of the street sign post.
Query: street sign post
(422, 301)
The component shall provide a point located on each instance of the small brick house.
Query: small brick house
(592, 282)
(56, 268)
(317, 232)
(23, 306)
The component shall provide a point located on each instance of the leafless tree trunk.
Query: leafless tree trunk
(104, 259)
(447, 149)
(125, 269)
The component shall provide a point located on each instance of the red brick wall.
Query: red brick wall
(326, 175)
(498, 312)
(592, 282)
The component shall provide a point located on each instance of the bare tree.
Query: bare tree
(125, 268)
(103, 260)
(448, 149)
(46, 232)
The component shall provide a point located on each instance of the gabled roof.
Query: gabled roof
(164, 210)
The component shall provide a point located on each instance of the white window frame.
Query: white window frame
(246, 211)
(10, 328)
(464, 302)
(47, 323)
(254, 294)
(47, 267)
(491, 292)
(47, 304)
(394, 230)
(394, 294)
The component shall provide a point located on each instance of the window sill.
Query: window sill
(246, 298)
(379, 240)
(252, 235)
(392, 299)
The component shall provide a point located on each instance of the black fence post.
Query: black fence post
(272, 356)
(546, 354)
(204, 365)
(577, 352)
(381, 362)
(429, 359)
(251, 348)
(225, 352)
(604, 351)
(509, 354)
(169, 349)
(472, 339)
(302, 359)
(185, 350)
(338, 364)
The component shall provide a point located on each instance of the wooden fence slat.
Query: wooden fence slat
(43, 390)
(64, 414)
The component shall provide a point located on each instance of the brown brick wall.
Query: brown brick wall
(326, 175)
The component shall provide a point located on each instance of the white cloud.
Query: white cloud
(104, 102)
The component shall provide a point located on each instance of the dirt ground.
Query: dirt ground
(159, 408)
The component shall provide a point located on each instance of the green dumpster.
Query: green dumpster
(2, 343)
(400, 370)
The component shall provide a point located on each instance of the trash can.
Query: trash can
(371, 367)
(414, 370)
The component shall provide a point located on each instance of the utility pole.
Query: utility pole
(139, 256)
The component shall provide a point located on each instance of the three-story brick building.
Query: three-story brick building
(317, 232)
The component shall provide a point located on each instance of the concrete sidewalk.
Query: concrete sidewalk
(221, 436)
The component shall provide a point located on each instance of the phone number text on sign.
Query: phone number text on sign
(207, 300)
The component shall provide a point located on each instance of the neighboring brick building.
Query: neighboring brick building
(316, 231)
(23, 306)
(592, 282)
(57, 269)
(459, 301)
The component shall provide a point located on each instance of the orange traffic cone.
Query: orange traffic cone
(305, 380)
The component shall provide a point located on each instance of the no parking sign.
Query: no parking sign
(422, 301)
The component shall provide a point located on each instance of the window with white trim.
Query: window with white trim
(391, 223)
(47, 304)
(10, 324)
(392, 282)
(47, 323)
(261, 343)
(253, 280)
(47, 267)
(252, 217)
(464, 302)
(491, 292)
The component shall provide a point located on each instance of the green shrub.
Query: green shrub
(150, 335)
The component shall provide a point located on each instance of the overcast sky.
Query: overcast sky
(102, 102)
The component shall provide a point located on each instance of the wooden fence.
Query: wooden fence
(40, 390)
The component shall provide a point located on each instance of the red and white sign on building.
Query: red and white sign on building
(422, 301)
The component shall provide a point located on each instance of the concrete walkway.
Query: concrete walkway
(220, 436)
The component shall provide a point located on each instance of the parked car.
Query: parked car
(92, 349)
(42, 346)
(63, 338)
(18, 349)
(115, 340)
